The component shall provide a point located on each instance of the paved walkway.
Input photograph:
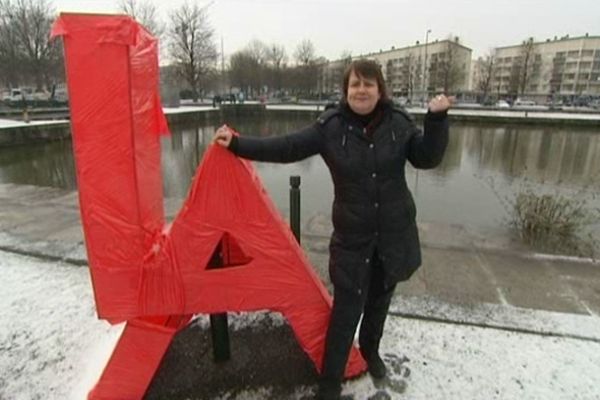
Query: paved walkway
(459, 266)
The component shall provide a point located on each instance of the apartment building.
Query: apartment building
(555, 68)
(448, 68)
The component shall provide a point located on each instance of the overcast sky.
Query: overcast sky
(368, 26)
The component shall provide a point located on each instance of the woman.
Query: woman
(365, 142)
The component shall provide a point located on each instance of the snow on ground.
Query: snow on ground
(9, 123)
(186, 109)
(447, 361)
(53, 347)
(456, 111)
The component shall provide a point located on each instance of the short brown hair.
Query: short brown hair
(366, 69)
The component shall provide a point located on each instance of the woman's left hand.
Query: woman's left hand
(441, 103)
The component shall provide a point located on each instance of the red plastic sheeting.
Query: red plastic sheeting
(152, 275)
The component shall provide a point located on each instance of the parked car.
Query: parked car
(519, 102)
(528, 105)
(400, 100)
(17, 94)
(502, 104)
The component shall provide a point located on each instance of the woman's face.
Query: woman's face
(363, 94)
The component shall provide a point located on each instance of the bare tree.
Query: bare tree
(446, 71)
(335, 74)
(412, 73)
(276, 55)
(192, 45)
(276, 58)
(9, 53)
(305, 77)
(145, 13)
(305, 52)
(258, 50)
(242, 73)
(522, 68)
(24, 47)
(346, 57)
(486, 68)
(526, 67)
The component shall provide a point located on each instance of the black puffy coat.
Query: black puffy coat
(373, 207)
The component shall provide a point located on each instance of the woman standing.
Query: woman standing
(365, 142)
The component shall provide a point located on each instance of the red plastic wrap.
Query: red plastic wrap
(142, 269)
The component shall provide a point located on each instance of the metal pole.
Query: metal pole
(295, 206)
(219, 331)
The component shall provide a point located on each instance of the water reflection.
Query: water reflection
(556, 158)
(43, 164)
(552, 155)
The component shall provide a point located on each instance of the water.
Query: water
(483, 165)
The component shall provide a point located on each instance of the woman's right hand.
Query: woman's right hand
(223, 136)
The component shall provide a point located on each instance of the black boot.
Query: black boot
(375, 364)
(329, 390)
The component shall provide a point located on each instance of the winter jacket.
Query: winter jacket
(373, 208)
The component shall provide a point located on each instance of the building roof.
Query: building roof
(562, 39)
(393, 49)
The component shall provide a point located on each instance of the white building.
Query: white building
(542, 70)
(448, 68)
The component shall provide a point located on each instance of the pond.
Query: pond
(484, 166)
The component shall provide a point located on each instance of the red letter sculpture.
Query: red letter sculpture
(153, 275)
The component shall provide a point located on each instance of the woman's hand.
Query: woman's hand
(441, 103)
(223, 136)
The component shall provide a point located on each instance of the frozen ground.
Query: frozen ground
(9, 123)
(53, 347)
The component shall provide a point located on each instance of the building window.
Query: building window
(585, 65)
(571, 65)
(573, 53)
(587, 53)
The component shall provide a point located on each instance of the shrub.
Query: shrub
(554, 223)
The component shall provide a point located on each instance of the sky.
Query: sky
(363, 26)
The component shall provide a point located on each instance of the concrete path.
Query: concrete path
(459, 266)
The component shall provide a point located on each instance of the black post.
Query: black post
(218, 322)
(295, 206)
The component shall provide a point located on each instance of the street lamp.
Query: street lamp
(425, 66)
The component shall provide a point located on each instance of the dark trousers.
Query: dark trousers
(347, 309)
